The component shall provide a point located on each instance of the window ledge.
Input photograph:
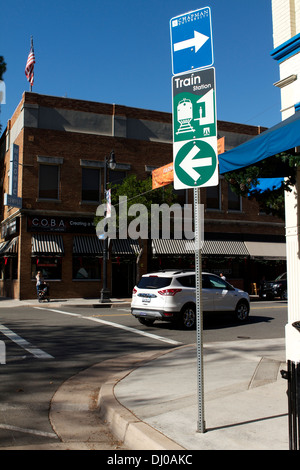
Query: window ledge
(95, 203)
(41, 199)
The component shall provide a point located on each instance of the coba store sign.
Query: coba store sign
(39, 223)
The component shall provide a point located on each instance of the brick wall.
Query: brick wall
(73, 147)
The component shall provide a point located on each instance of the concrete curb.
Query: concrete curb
(125, 426)
(82, 303)
(86, 400)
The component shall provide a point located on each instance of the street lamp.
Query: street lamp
(109, 162)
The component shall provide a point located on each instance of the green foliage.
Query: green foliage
(139, 191)
(244, 182)
(2, 66)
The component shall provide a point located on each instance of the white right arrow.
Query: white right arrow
(197, 41)
(188, 164)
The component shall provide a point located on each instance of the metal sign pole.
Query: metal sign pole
(199, 310)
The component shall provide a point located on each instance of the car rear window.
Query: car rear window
(187, 281)
(154, 282)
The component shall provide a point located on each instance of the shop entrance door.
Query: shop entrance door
(123, 279)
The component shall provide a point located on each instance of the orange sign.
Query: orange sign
(221, 145)
(162, 176)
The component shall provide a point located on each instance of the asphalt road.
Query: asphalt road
(46, 346)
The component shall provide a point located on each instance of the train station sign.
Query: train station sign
(195, 143)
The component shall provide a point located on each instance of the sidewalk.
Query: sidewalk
(80, 302)
(149, 400)
(245, 401)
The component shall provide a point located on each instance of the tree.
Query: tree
(140, 192)
(2, 66)
(245, 182)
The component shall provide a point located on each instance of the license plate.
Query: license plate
(146, 300)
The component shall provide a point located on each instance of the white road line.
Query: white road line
(28, 431)
(115, 325)
(24, 344)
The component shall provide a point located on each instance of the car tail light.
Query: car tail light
(169, 292)
(134, 291)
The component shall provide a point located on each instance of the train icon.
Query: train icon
(185, 116)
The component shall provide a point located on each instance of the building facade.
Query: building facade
(52, 163)
(286, 41)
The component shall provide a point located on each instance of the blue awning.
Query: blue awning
(277, 139)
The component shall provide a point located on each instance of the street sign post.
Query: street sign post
(195, 143)
(191, 41)
(195, 161)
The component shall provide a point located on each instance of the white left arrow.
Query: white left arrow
(188, 163)
(197, 41)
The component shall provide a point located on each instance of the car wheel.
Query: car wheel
(188, 317)
(146, 321)
(242, 311)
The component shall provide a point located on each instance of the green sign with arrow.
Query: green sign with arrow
(195, 129)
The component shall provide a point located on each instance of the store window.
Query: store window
(86, 268)
(9, 268)
(213, 199)
(50, 267)
(234, 200)
(49, 182)
(91, 184)
(117, 176)
(181, 196)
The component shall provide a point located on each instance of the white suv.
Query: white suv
(171, 296)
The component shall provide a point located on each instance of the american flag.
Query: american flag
(30, 65)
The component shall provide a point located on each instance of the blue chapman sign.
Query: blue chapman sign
(191, 41)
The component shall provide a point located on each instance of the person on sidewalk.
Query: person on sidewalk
(39, 281)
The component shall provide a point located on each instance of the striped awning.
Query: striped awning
(225, 247)
(266, 250)
(125, 246)
(210, 247)
(9, 247)
(47, 244)
(91, 245)
(172, 247)
(87, 245)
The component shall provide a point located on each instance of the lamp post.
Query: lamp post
(109, 162)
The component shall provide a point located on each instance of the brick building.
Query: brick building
(57, 183)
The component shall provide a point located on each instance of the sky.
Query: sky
(119, 51)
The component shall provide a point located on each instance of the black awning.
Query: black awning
(47, 244)
(87, 245)
(126, 246)
(10, 247)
